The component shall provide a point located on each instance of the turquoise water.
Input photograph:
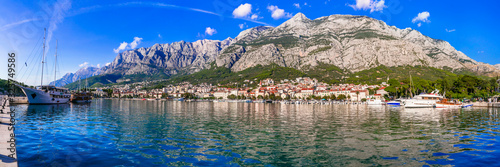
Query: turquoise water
(171, 133)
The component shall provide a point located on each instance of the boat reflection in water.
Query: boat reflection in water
(175, 133)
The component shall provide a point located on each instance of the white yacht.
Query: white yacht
(46, 94)
(427, 100)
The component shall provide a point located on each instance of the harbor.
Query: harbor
(350, 83)
(114, 132)
(8, 152)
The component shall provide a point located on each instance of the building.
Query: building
(382, 91)
(357, 95)
(221, 94)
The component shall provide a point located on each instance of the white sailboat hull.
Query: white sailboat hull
(36, 96)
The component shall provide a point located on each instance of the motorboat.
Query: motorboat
(425, 100)
(445, 103)
(394, 103)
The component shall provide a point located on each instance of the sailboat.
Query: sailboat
(82, 97)
(46, 94)
(424, 100)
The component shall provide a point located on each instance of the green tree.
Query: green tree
(341, 97)
(232, 96)
(332, 96)
(188, 96)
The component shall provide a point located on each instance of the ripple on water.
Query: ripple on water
(137, 133)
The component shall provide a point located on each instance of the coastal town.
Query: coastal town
(303, 88)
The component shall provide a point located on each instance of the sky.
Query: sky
(92, 33)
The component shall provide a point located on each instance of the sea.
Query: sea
(114, 132)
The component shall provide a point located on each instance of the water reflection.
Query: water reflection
(140, 133)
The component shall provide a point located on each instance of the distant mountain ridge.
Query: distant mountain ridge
(168, 58)
(351, 43)
(82, 73)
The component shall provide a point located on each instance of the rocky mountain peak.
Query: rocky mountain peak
(353, 43)
(497, 66)
(251, 33)
(298, 21)
(81, 73)
(299, 17)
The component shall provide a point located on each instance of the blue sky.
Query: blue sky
(91, 32)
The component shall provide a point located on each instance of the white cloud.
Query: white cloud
(277, 13)
(210, 31)
(297, 5)
(7, 26)
(98, 65)
(480, 51)
(244, 25)
(125, 45)
(57, 15)
(84, 64)
(305, 3)
(136, 42)
(450, 30)
(372, 5)
(423, 17)
(242, 11)
(159, 35)
(122, 46)
(419, 24)
(254, 17)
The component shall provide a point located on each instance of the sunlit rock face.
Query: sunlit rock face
(353, 43)
(82, 73)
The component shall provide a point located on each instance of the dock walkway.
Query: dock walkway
(8, 153)
(486, 104)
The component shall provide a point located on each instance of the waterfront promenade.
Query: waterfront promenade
(7, 138)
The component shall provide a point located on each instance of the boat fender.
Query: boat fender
(52, 99)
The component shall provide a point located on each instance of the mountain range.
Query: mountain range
(82, 73)
(351, 43)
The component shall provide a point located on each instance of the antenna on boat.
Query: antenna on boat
(43, 55)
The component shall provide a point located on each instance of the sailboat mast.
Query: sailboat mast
(43, 55)
(411, 90)
(55, 66)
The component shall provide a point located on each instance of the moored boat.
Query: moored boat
(394, 103)
(466, 105)
(83, 97)
(46, 94)
(444, 103)
(427, 100)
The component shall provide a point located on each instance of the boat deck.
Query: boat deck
(7, 142)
